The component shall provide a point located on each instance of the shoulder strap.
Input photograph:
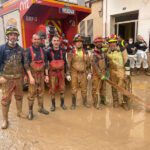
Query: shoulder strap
(32, 53)
(42, 55)
(61, 54)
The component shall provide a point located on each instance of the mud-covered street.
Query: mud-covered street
(83, 128)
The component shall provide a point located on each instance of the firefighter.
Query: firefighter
(118, 64)
(98, 73)
(57, 65)
(11, 74)
(78, 70)
(121, 42)
(36, 65)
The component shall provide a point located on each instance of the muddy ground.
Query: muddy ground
(83, 128)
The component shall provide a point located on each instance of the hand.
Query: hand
(46, 79)
(25, 79)
(2, 80)
(89, 76)
(32, 81)
(68, 77)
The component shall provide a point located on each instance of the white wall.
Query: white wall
(16, 16)
(2, 36)
(115, 7)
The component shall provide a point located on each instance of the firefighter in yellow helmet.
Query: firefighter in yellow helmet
(11, 73)
(98, 72)
(78, 70)
(118, 69)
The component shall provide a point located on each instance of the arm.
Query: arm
(69, 59)
(125, 56)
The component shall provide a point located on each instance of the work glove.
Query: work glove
(68, 77)
(89, 76)
(103, 78)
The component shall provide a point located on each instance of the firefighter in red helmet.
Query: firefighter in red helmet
(98, 72)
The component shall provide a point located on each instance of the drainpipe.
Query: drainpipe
(106, 21)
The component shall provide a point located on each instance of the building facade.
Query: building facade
(92, 25)
(128, 18)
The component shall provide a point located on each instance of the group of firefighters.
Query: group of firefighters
(54, 65)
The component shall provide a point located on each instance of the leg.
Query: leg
(83, 85)
(138, 62)
(40, 96)
(7, 89)
(61, 80)
(114, 92)
(32, 93)
(145, 65)
(95, 91)
(103, 92)
(19, 96)
(74, 86)
(52, 81)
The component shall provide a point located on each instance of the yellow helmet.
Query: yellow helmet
(77, 38)
(12, 29)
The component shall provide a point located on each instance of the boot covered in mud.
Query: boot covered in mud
(41, 108)
(53, 104)
(85, 103)
(5, 110)
(62, 105)
(30, 115)
(126, 103)
(147, 73)
(115, 103)
(103, 100)
(19, 109)
(73, 102)
(97, 103)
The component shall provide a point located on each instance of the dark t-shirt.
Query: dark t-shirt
(140, 46)
(129, 50)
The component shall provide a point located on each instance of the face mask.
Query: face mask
(130, 42)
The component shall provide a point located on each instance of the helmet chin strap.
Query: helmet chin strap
(10, 42)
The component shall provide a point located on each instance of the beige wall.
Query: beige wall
(97, 19)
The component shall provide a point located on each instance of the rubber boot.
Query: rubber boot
(62, 104)
(103, 100)
(53, 105)
(73, 102)
(30, 116)
(19, 109)
(85, 102)
(41, 108)
(5, 110)
(125, 106)
(146, 72)
(97, 103)
(115, 104)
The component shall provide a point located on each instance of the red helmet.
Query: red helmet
(113, 38)
(98, 39)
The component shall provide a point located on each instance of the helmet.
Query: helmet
(77, 38)
(12, 29)
(42, 34)
(113, 38)
(98, 39)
